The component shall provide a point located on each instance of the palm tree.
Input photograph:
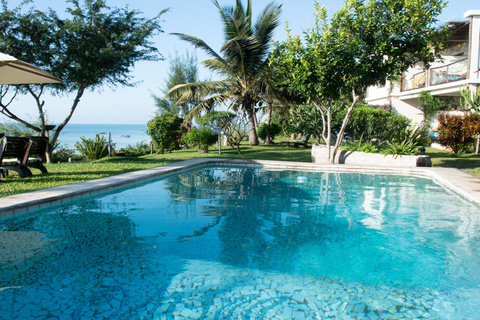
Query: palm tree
(243, 63)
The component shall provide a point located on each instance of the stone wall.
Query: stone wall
(354, 158)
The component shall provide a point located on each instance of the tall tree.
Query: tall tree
(94, 47)
(243, 62)
(364, 44)
(183, 69)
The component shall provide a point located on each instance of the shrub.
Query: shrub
(139, 149)
(457, 131)
(63, 155)
(92, 149)
(201, 138)
(429, 105)
(374, 123)
(166, 132)
(405, 142)
(273, 128)
(307, 119)
(405, 147)
(363, 147)
(16, 130)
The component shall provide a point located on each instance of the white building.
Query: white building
(460, 67)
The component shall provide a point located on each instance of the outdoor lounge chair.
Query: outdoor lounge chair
(38, 147)
(3, 144)
(302, 142)
(15, 156)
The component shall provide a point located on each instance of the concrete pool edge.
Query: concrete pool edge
(458, 181)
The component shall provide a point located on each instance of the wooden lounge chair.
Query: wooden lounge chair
(15, 156)
(3, 145)
(302, 142)
(36, 153)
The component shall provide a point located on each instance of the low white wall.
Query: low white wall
(319, 155)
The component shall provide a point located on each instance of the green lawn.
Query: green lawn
(67, 173)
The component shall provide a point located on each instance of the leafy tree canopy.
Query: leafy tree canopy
(364, 44)
(165, 131)
(94, 46)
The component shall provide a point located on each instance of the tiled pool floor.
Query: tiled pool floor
(207, 290)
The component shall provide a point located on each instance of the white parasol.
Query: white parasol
(14, 71)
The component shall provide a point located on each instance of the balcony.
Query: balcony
(415, 81)
(455, 71)
(452, 72)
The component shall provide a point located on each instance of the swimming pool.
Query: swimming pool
(241, 242)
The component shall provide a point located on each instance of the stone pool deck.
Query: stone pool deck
(456, 180)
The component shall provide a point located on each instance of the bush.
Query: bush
(405, 147)
(166, 132)
(93, 149)
(405, 142)
(370, 123)
(273, 128)
(429, 105)
(457, 131)
(365, 147)
(63, 155)
(201, 138)
(139, 149)
(306, 119)
(16, 130)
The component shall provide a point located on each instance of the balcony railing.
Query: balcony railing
(447, 73)
(418, 80)
(452, 72)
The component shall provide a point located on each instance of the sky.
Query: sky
(200, 18)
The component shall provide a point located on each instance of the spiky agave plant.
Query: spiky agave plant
(405, 143)
(92, 149)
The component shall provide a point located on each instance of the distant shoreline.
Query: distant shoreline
(121, 134)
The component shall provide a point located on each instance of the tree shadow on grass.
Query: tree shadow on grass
(448, 160)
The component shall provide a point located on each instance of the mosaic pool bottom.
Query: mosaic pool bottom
(243, 243)
(207, 290)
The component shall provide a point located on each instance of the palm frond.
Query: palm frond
(199, 43)
(217, 66)
(267, 22)
(237, 21)
(208, 104)
(198, 90)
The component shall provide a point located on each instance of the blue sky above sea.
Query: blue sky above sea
(135, 105)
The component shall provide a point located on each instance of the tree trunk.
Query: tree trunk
(51, 144)
(252, 134)
(327, 126)
(478, 144)
(344, 125)
(268, 137)
(238, 149)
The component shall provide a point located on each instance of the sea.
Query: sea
(121, 134)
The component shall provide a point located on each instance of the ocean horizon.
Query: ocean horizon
(121, 134)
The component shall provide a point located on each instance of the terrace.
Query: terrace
(457, 68)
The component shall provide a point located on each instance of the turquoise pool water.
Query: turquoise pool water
(246, 243)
